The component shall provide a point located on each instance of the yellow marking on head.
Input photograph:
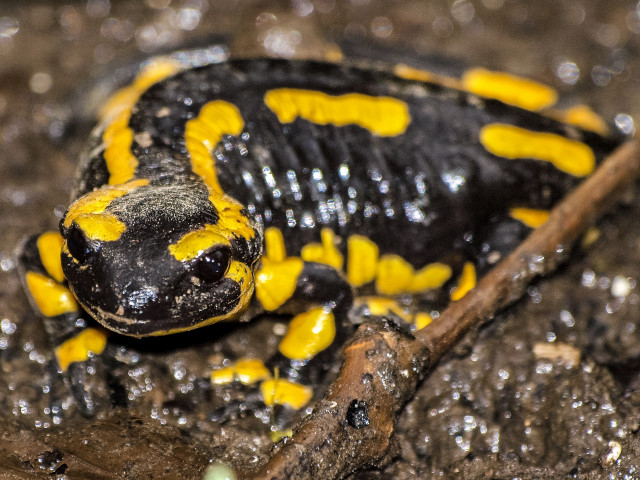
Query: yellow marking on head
(531, 217)
(412, 73)
(90, 341)
(510, 89)
(309, 333)
(362, 260)
(325, 252)
(232, 223)
(96, 202)
(274, 245)
(276, 281)
(51, 298)
(383, 116)
(380, 306)
(203, 133)
(246, 370)
(466, 282)
(582, 116)
(429, 277)
(103, 226)
(284, 392)
(49, 246)
(194, 243)
(421, 320)
(394, 275)
(508, 141)
(116, 112)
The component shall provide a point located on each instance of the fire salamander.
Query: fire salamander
(264, 185)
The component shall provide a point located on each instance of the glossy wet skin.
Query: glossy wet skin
(136, 286)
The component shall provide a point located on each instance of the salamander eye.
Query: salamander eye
(212, 265)
(78, 244)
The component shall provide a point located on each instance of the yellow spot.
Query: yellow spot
(51, 298)
(381, 306)
(203, 133)
(326, 252)
(394, 275)
(284, 392)
(79, 348)
(362, 260)
(49, 247)
(104, 227)
(582, 116)
(411, 73)
(247, 371)
(276, 281)
(466, 282)
(590, 237)
(531, 217)
(195, 243)
(274, 243)
(421, 320)
(508, 141)
(510, 89)
(333, 54)
(96, 202)
(383, 116)
(309, 333)
(429, 277)
(116, 112)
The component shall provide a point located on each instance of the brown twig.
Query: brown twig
(352, 426)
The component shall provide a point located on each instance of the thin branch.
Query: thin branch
(352, 426)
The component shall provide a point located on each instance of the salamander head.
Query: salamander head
(156, 259)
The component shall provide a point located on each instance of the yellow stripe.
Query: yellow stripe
(510, 89)
(118, 137)
(325, 252)
(51, 298)
(49, 246)
(246, 370)
(90, 341)
(203, 133)
(383, 116)
(284, 392)
(466, 282)
(274, 245)
(309, 333)
(508, 141)
(362, 260)
(531, 217)
(582, 116)
(411, 73)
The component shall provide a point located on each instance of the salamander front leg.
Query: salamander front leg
(75, 344)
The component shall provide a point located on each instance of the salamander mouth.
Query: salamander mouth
(178, 315)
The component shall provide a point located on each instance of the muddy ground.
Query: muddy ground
(496, 407)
